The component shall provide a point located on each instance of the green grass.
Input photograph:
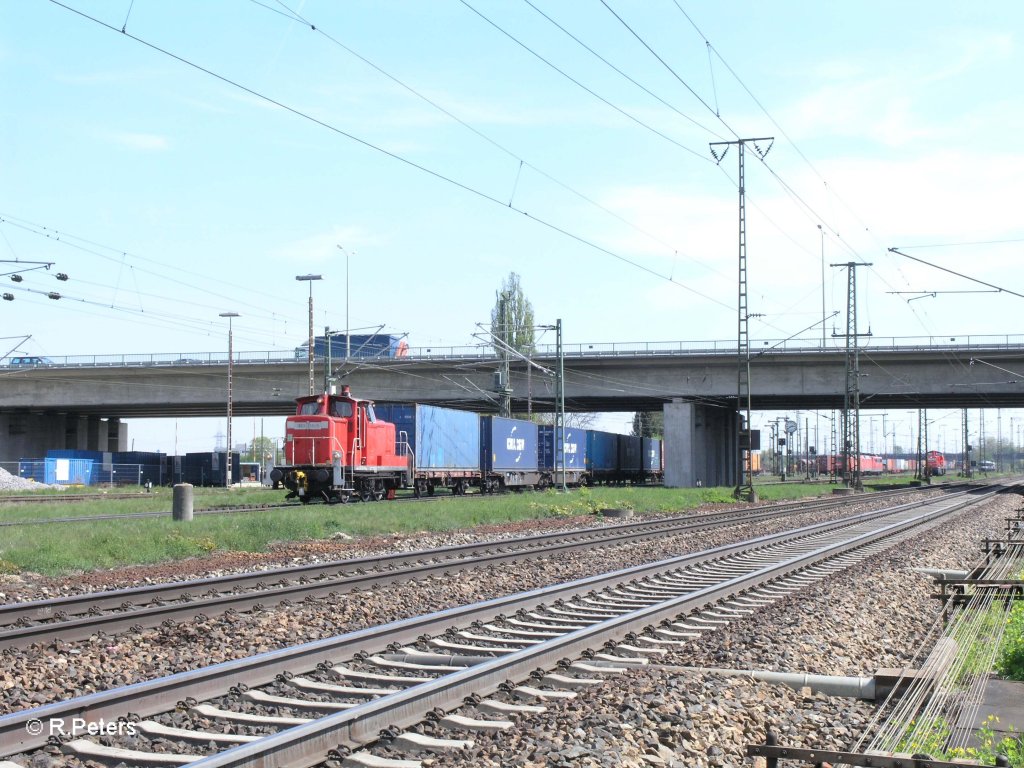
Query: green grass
(63, 548)
(159, 500)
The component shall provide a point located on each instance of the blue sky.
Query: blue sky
(169, 195)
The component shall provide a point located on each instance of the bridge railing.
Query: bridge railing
(599, 349)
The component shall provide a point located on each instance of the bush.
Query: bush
(1010, 663)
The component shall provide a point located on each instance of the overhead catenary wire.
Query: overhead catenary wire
(393, 155)
(293, 15)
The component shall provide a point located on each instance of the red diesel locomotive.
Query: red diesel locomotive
(336, 448)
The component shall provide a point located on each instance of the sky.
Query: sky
(177, 160)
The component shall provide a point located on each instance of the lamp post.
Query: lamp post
(231, 356)
(348, 342)
(822, 231)
(309, 279)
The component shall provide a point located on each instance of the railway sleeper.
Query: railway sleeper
(90, 750)
(246, 718)
(259, 697)
(154, 729)
(461, 722)
(369, 760)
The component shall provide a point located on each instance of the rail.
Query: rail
(485, 352)
(745, 565)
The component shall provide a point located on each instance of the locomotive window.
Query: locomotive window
(370, 415)
(341, 409)
(311, 408)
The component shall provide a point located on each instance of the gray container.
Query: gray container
(652, 450)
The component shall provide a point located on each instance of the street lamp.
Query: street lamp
(348, 342)
(310, 279)
(231, 355)
(822, 231)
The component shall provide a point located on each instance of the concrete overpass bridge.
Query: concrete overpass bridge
(79, 402)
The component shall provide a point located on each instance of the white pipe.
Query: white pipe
(830, 685)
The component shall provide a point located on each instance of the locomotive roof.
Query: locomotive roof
(345, 394)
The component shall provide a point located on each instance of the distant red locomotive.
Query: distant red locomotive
(335, 448)
(935, 462)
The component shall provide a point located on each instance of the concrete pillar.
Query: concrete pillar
(30, 435)
(77, 433)
(117, 436)
(700, 445)
(97, 434)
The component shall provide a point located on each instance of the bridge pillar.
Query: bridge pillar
(700, 445)
(31, 435)
(117, 436)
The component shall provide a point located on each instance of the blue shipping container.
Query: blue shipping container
(602, 451)
(508, 444)
(72, 453)
(652, 455)
(61, 471)
(630, 453)
(440, 438)
(355, 345)
(208, 468)
(575, 447)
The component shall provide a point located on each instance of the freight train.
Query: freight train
(340, 448)
(877, 465)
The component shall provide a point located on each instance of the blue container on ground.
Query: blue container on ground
(575, 442)
(65, 471)
(652, 454)
(208, 468)
(509, 445)
(602, 451)
(440, 438)
(72, 453)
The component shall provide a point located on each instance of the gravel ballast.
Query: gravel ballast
(874, 615)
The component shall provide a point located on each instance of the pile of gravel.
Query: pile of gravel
(9, 482)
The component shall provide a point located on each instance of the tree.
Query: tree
(648, 424)
(573, 419)
(260, 449)
(512, 317)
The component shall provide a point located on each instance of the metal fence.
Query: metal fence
(70, 472)
(597, 349)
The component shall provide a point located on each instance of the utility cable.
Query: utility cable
(576, 82)
(296, 16)
(394, 156)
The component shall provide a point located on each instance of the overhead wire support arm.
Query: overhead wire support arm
(995, 288)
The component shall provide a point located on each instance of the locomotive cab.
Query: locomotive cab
(335, 447)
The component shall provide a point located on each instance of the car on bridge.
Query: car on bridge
(26, 361)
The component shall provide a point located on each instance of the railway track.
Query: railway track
(339, 694)
(78, 617)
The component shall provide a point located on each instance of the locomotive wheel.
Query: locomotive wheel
(365, 494)
(378, 494)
